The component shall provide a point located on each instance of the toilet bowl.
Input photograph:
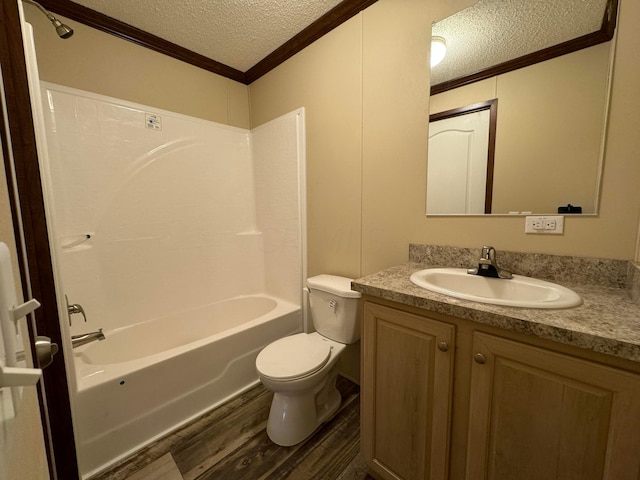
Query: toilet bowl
(301, 369)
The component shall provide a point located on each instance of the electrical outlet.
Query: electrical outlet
(549, 224)
(534, 224)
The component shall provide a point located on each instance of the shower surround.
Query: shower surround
(158, 221)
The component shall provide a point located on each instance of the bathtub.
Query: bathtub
(145, 380)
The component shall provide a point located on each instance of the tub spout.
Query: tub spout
(77, 340)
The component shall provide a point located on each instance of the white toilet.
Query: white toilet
(301, 369)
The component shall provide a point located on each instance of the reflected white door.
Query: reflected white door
(457, 164)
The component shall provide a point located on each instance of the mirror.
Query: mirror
(546, 65)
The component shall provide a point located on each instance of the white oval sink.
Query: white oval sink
(516, 292)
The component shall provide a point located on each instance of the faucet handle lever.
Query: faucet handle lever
(77, 308)
(488, 252)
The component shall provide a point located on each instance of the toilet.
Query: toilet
(301, 369)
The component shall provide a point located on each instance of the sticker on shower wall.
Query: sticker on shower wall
(153, 121)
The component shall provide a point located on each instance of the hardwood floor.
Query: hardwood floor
(231, 443)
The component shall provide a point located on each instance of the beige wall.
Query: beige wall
(326, 74)
(365, 89)
(98, 62)
(549, 130)
(364, 86)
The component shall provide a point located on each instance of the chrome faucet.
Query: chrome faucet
(77, 340)
(75, 308)
(487, 266)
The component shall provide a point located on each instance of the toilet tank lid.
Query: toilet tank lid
(335, 284)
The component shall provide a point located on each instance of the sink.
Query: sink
(517, 292)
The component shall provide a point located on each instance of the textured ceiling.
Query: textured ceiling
(240, 33)
(494, 31)
(237, 33)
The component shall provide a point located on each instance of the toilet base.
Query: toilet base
(295, 416)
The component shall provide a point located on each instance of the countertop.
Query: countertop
(608, 321)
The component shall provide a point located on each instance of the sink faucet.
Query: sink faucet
(487, 266)
(77, 340)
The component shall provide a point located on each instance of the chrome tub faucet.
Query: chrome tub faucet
(487, 266)
(77, 340)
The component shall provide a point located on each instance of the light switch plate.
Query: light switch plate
(547, 224)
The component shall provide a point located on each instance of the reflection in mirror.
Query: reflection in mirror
(553, 102)
(461, 156)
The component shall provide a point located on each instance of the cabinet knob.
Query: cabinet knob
(480, 358)
(443, 346)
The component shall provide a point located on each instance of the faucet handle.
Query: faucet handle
(73, 309)
(486, 249)
(77, 308)
(488, 252)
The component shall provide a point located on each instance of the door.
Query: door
(27, 215)
(22, 453)
(406, 392)
(460, 160)
(540, 415)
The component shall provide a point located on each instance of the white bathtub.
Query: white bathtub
(147, 379)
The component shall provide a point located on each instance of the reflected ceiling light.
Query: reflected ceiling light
(438, 50)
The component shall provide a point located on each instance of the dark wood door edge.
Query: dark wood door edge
(21, 140)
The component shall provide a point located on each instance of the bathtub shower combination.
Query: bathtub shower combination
(183, 240)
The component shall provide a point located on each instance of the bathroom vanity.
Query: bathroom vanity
(454, 389)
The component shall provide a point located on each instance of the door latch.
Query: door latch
(45, 350)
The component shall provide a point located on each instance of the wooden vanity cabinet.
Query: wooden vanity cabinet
(406, 393)
(537, 414)
(521, 411)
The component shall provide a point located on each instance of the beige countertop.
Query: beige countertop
(608, 321)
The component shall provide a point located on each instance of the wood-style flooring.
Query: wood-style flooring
(231, 443)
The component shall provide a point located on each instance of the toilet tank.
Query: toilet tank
(334, 308)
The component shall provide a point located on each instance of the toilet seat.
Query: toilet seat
(293, 357)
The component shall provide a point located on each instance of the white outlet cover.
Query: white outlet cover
(544, 224)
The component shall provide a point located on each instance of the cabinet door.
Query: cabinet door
(540, 415)
(406, 394)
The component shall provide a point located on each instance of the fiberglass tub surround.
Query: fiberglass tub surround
(182, 239)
